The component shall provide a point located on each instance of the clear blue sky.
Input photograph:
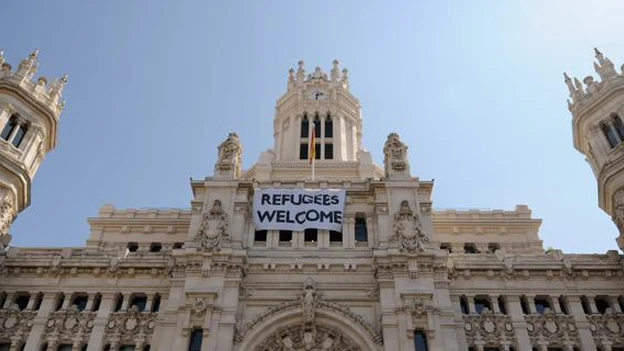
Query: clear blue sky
(474, 88)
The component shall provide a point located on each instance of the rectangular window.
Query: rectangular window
(420, 341)
(470, 248)
(118, 303)
(361, 232)
(463, 304)
(524, 304)
(196, 340)
(541, 304)
(5, 347)
(22, 301)
(285, 236)
(260, 236)
(602, 303)
(125, 348)
(80, 302)
(59, 301)
(97, 300)
(8, 129)
(482, 303)
(19, 136)
(335, 236)
(329, 151)
(310, 235)
(303, 151)
(317, 151)
(139, 301)
(585, 305)
(65, 347)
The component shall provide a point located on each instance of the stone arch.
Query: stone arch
(287, 320)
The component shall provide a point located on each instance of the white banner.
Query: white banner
(298, 209)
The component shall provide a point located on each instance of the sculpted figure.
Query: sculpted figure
(213, 229)
(230, 161)
(407, 228)
(308, 301)
(395, 156)
(7, 214)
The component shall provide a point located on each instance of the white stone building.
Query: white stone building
(399, 276)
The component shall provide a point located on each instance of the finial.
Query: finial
(335, 72)
(34, 54)
(336, 63)
(300, 63)
(577, 84)
(1, 56)
(597, 52)
(566, 77)
(64, 78)
(568, 82)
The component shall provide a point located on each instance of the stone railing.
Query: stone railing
(69, 326)
(489, 330)
(130, 327)
(550, 329)
(607, 329)
(15, 325)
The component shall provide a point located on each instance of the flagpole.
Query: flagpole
(313, 169)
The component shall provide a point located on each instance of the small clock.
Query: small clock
(317, 95)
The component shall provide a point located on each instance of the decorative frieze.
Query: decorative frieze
(489, 329)
(607, 329)
(69, 326)
(544, 329)
(15, 325)
(131, 327)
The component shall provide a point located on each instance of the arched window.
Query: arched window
(9, 127)
(329, 126)
(317, 126)
(608, 132)
(305, 126)
(619, 126)
(19, 136)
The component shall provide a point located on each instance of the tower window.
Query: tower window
(305, 127)
(155, 247)
(9, 127)
(329, 127)
(317, 151)
(329, 151)
(608, 132)
(361, 232)
(132, 247)
(619, 127)
(303, 151)
(317, 126)
(19, 136)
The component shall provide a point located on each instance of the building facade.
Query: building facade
(399, 275)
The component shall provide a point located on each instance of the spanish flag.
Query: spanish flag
(312, 152)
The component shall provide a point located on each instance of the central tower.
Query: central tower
(321, 104)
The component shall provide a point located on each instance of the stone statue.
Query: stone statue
(214, 228)
(8, 213)
(407, 229)
(395, 157)
(618, 214)
(230, 162)
(308, 301)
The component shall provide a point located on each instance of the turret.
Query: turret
(29, 116)
(598, 126)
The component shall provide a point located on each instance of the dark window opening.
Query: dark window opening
(446, 246)
(541, 304)
(620, 301)
(524, 304)
(156, 303)
(492, 247)
(196, 340)
(147, 348)
(420, 340)
(585, 305)
(491, 349)
(563, 305)
(310, 235)
(22, 301)
(260, 235)
(335, 236)
(3, 298)
(8, 128)
(481, 303)
(139, 302)
(118, 303)
(463, 304)
(305, 127)
(502, 305)
(80, 302)
(317, 151)
(329, 151)
(178, 246)
(361, 232)
(133, 247)
(470, 248)
(126, 348)
(59, 302)
(65, 347)
(329, 127)
(303, 151)
(602, 303)
(19, 136)
(155, 247)
(608, 132)
(317, 126)
(285, 235)
(619, 127)
(97, 300)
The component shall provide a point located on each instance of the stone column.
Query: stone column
(66, 300)
(576, 309)
(371, 226)
(96, 340)
(592, 304)
(389, 321)
(517, 317)
(35, 338)
(494, 303)
(348, 237)
(531, 304)
(471, 305)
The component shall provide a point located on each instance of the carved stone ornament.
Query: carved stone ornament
(132, 326)
(607, 328)
(230, 161)
(489, 329)
(551, 326)
(395, 157)
(618, 212)
(68, 325)
(308, 301)
(407, 229)
(199, 305)
(214, 228)
(8, 212)
(296, 338)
